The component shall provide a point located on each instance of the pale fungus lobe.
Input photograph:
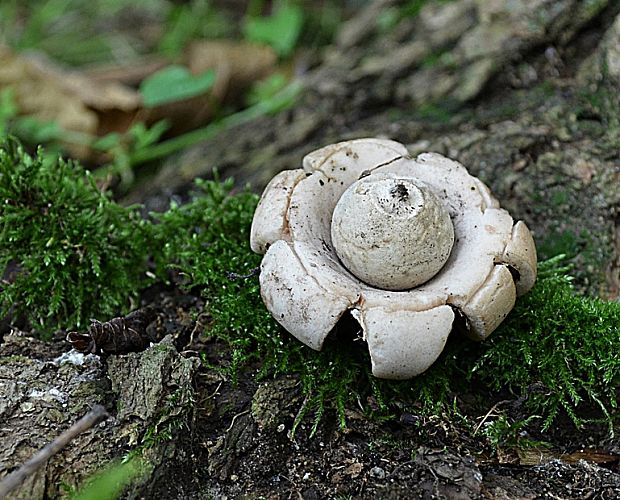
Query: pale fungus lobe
(405, 245)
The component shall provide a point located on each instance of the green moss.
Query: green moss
(560, 198)
(109, 482)
(15, 358)
(602, 104)
(567, 343)
(559, 242)
(588, 251)
(505, 433)
(76, 253)
(206, 240)
(440, 113)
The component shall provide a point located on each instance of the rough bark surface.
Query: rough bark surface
(45, 390)
(524, 93)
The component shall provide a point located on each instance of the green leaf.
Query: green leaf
(280, 31)
(109, 483)
(36, 131)
(174, 83)
(107, 142)
(266, 89)
(8, 108)
(144, 137)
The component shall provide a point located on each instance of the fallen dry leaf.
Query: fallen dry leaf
(50, 93)
(240, 64)
(127, 74)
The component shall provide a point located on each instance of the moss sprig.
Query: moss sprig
(566, 344)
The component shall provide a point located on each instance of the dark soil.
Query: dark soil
(241, 447)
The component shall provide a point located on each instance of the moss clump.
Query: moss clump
(566, 342)
(81, 255)
(75, 253)
(206, 240)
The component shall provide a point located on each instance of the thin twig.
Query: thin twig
(13, 480)
(490, 413)
(235, 276)
(232, 423)
(198, 324)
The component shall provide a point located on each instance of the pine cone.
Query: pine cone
(117, 336)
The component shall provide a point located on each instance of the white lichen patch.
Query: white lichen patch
(399, 242)
(50, 395)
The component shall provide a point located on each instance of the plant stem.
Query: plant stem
(281, 100)
(13, 480)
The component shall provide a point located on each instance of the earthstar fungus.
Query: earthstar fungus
(403, 244)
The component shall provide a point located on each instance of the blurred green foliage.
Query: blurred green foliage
(71, 31)
(266, 89)
(28, 128)
(109, 483)
(174, 83)
(193, 20)
(120, 31)
(281, 30)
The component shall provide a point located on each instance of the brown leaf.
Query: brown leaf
(354, 469)
(72, 100)
(127, 74)
(240, 63)
(534, 456)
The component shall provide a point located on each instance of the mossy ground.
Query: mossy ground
(556, 353)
